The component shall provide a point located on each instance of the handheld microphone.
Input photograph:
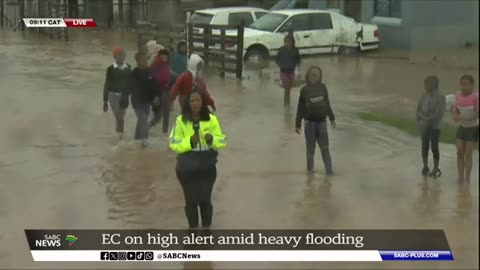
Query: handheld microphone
(196, 127)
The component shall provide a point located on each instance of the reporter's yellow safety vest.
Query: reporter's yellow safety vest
(183, 131)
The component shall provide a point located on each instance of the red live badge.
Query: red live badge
(80, 22)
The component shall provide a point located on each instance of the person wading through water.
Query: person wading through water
(196, 138)
(314, 107)
(191, 79)
(116, 88)
(430, 111)
(465, 114)
(142, 94)
(178, 60)
(288, 59)
(161, 77)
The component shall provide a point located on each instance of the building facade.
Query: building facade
(414, 24)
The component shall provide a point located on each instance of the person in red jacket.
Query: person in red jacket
(191, 79)
(160, 70)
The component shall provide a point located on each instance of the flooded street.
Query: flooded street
(61, 166)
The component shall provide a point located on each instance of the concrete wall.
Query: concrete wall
(317, 4)
(440, 24)
(391, 35)
(425, 23)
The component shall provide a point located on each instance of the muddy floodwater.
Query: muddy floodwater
(62, 167)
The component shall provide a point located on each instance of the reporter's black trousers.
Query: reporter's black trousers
(197, 188)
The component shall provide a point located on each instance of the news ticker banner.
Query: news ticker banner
(60, 22)
(238, 245)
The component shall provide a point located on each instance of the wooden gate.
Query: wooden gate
(53, 9)
(11, 14)
(214, 45)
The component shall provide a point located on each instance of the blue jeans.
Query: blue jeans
(119, 113)
(317, 133)
(141, 130)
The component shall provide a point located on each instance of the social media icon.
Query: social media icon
(122, 256)
(131, 256)
(113, 256)
(149, 256)
(140, 256)
(104, 256)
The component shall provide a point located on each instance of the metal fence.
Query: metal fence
(11, 14)
(108, 14)
(111, 14)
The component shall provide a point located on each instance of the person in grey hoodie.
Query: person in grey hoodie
(430, 111)
(314, 108)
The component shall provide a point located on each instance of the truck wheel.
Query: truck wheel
(255, 58)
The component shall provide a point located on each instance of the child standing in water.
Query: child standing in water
(314, 107)
(430, 111)
(288, 58)
(116, 87)
(142, 96)
(465, 114)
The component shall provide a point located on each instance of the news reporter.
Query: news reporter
(196, 138)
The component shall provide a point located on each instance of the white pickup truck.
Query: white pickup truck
(226, 16)
(315, 31)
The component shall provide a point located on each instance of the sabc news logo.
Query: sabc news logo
(126, 256)
(55, 240)
(71, 239)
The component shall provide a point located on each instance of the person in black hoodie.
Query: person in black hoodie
(117, 83)
(142, 96)
(288, 58)
(314, 107)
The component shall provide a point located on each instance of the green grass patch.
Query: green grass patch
(448, 133)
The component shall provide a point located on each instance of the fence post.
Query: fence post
(66, 14)
(21, 3)
(120, 17)
(206, 43)
(190, 38)
(222, 48)
(239, 68)
(2, 12)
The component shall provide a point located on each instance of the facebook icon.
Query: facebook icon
(104, 256)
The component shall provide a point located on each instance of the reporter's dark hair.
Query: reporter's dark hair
(468, 78)
(187, 114)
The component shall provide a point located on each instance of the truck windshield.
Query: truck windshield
(269, 22)
(201, 18)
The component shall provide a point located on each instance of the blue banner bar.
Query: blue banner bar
(416, 255)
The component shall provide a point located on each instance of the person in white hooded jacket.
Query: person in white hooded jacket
(189, 80)
(152, 51)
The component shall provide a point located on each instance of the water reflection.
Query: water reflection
(128, 186)
(426, 206)
(317, 207)
(464, 202)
